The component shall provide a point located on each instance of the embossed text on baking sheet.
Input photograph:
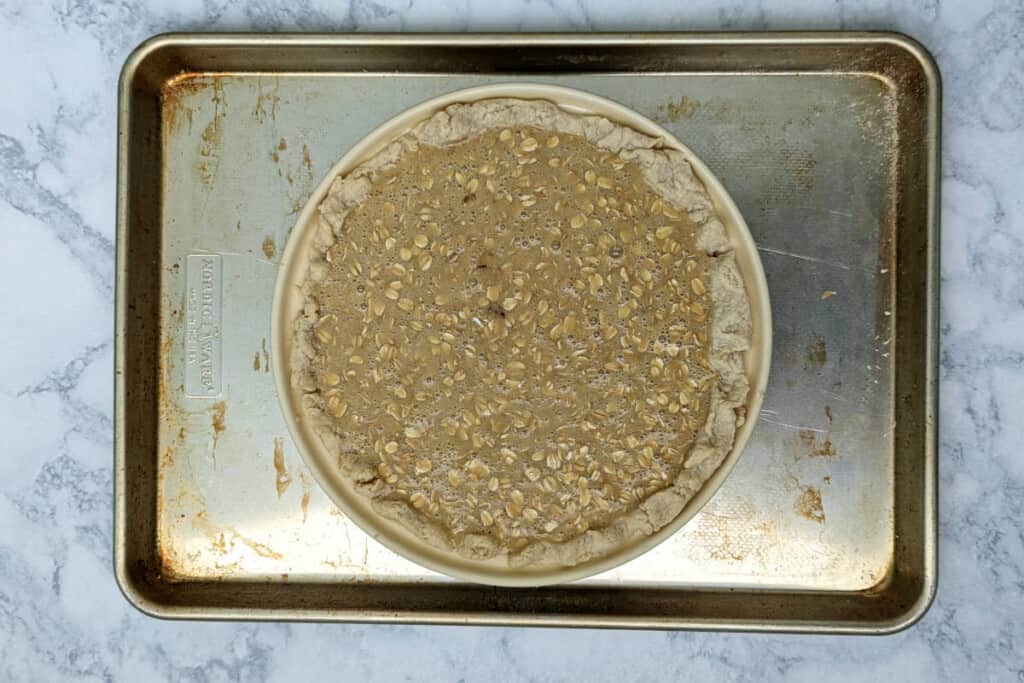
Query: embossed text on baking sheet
(203, 310)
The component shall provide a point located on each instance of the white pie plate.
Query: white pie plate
(288, 303)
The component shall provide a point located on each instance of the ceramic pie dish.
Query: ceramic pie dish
(321, 453)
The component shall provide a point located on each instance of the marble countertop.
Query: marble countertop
(61, 615)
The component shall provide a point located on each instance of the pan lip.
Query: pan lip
(308, 445)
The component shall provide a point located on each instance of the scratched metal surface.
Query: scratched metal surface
(808, 158)
(804, 167)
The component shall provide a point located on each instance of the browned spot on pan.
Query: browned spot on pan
(307, 162)
(734, 530)
(675, 110)
(166, 407)
(174, 116)
(174, 92)
(828, 413)
(167, 456)
(808, 504)
(184, 85)
(817, 448)
(303, 175)
(209, 151)
(217, 413)
(267, 104)
(803, 170)
(266, 356)
(224, 541)
(817, 352)
(210, 140)
(169, 411)
(269, 247)
(304, 480)
(296, 169)
(283, 480)
(173, 423)
(256, 361)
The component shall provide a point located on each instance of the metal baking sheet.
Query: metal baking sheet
(828, 143)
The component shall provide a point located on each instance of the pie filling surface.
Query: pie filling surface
(511, 336)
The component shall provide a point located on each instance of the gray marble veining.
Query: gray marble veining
(62, 617)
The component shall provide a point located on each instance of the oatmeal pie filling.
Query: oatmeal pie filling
(517, 327)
